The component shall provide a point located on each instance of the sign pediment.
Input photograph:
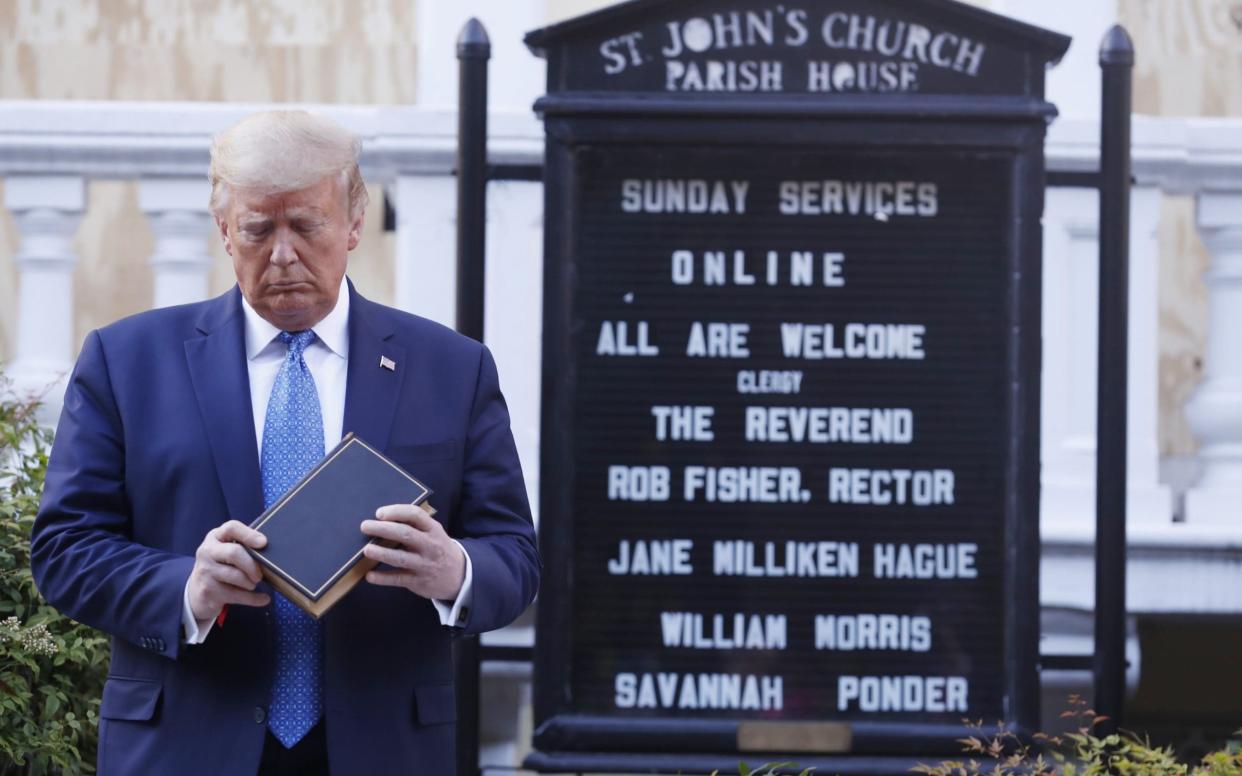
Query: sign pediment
(814, 49)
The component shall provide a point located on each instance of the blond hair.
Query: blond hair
(285, 150)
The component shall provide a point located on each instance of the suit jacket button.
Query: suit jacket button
(260, 714)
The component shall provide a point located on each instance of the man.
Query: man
(180, 425)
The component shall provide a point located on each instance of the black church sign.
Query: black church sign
(789, 491)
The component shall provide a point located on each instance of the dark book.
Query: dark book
(314, 545)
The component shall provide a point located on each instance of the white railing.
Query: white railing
(50, 150)
(1195, 562)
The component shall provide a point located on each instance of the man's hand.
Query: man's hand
(224, 573)
(425, 561)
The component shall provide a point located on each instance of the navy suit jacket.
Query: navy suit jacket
(156, 446)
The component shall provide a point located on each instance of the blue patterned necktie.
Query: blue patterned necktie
(292, 445)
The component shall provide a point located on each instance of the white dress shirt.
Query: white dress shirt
(327, 357)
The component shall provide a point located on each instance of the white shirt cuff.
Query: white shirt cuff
(455, 613)
(195, 631)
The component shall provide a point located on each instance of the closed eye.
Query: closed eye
(306, 226)
(255, 228)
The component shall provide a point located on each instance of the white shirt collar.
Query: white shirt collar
(332, 331)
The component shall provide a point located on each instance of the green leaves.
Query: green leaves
(1078, 752)
(51, 668)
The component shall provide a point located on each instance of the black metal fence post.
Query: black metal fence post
(473, 52)
(1117, 63)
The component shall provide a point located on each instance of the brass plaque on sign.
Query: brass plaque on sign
(793, 737)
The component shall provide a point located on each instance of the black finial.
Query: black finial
(1117, 48)
(473, 42)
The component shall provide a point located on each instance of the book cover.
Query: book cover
(314, 546)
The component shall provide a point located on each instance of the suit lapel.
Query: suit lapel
(372, 388)
(217, 362)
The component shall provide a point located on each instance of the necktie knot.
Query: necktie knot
(297, 341)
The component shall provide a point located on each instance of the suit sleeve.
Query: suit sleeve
(83, 557)
(493, 521)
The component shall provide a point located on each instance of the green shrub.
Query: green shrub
(51, 668)
(1078, 752)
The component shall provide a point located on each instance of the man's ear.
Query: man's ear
(223, 226)
(355, 229)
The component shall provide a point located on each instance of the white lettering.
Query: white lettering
(666, 690)
(926, 561)
(739, 558)
(683, 195)
(852, 198)
(827, 425)
(718, 340)
(737, 484)
(721, 631)
(663, 557)
(724, 76)
(876, 341)
(883, 487)
(638, 483)
(769, 381)
(683, 423)
(849, 632)
(614, 340)
(878, 694)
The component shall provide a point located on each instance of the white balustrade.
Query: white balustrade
(178, 215)
(1068, 428)
(1173, 567)
(48, 210)
(1214, 412)
(514, 323)
(1070, 335)
(426, 272)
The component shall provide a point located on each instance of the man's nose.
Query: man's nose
(283, 253)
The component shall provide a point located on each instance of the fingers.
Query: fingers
(407, 525)
(226, 545)
(234, 531)
(401, 533)
(228, 594)
(224, 572)
(233, 577)
(409, 514)
(208, 594)
(234, 556)
(247, 597)
(434, 569)
(430, 582)
(397, 558)
(393, 579)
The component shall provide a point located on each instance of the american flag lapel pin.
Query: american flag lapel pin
(388, 363)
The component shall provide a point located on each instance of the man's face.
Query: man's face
(290, 250)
